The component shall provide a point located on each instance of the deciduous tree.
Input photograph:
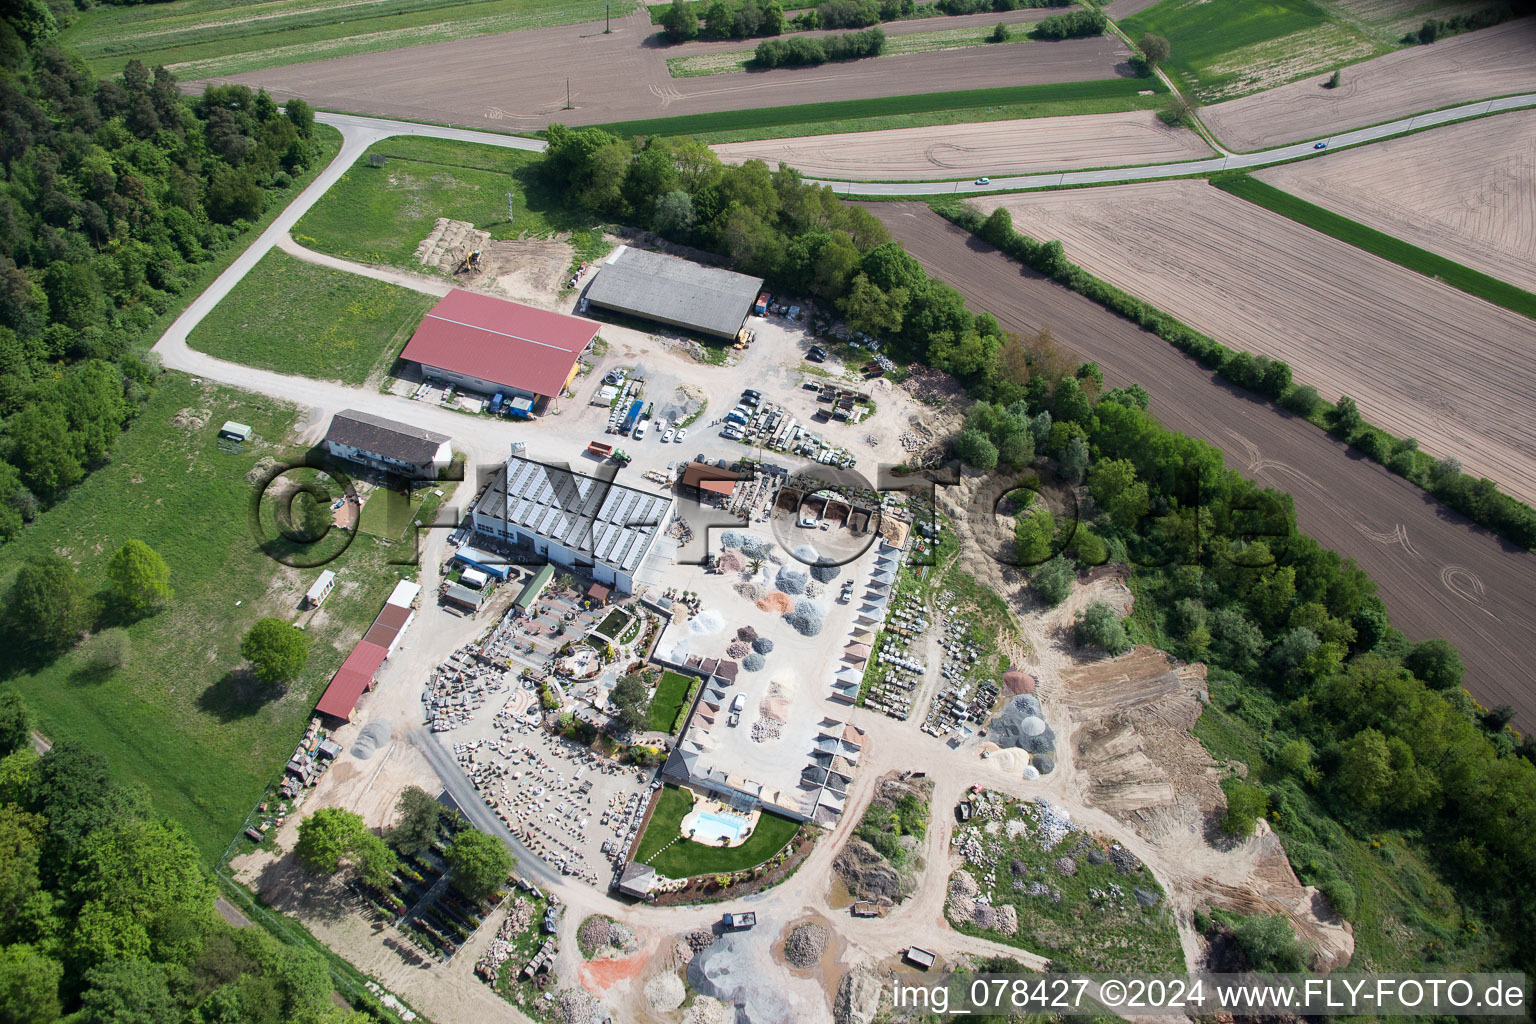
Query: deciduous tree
(140, 580)
(276, 650)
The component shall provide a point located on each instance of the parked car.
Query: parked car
(817, 354)
(640, 429)
(666, 438)
(682, 432)
(755, 394)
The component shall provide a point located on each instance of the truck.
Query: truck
(600, 449)
(761, 307)
(631, 416)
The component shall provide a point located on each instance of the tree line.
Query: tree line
(107, 916)
(113, 191)
(800, 51)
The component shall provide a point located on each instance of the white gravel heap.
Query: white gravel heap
(1053, 823)
(665, 992)
(706, 623)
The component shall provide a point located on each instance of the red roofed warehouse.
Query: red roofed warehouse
(484, 344)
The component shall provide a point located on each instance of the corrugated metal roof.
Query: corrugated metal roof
(382, 436)
(674, 291)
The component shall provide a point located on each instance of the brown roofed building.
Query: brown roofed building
(381, 443)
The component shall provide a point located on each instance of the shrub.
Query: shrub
(1073, 25)
(1246, 804)
(1053, 580)
(1269, 944)
(1099, 626)
(1341, 896)
(1000, 34)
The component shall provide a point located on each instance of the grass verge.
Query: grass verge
(295, 317)
(380, 214)
(686, 858)
(1404, 254)
(180, 717)
(198, 38)
(1061, 96)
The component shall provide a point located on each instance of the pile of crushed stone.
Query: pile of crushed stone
(665, 992)
(805, 945)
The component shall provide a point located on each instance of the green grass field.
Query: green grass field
(179, 719)
(381, 214)
(295, 317)
(1224, 48)
(199, 38)
(686, 858)
(1422, 261)
(668, 699)
(900, 111)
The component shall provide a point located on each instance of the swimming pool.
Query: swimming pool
(711, 828)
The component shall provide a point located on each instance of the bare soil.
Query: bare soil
(1439, 574)
(518, 81)
(1346, 321)
(1466, 191)
(531, 271)
(1493, 62)
(995, 147)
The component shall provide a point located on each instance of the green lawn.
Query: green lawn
(295, 317)
(200, 38)
(1422, 261)
(179, 719)
(381, 214)
(901, 111)
(668, 699)
(685, 858)
(1224, 48)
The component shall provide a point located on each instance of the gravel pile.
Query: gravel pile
(621, 937)
(762, 645)
(812, 589)
(665, 992)
(1007, 919)
(578, 1006)
(706, 623)
(738, 649)
(1124, 860)
(984, 916)
(808, 554)
(825, 573)
(593, 934)
(805, 945)
(1052, 823)
(1020, 725)
(1043, 763)
(1146, 898)
(373, 736)
(699, 939)
(776, 601)
(791, 580)
(756, 547)
(750, 591)
(961, 883)
(806, 619)
(705, 1010)
(765, 729)
(748, 634)
(1066, 866)
(752, 662)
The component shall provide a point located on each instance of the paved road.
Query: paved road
(1229, 162)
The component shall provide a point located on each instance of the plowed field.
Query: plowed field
(1496, 61)
(1466, 191)
(1423, 359)
(997, 147)
(1439, 574)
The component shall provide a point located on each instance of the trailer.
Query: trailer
(600, 449)
(631, 416)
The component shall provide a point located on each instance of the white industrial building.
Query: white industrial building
(602, 528)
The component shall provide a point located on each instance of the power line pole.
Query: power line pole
(509, 207)
(607, 11)
(567, 94)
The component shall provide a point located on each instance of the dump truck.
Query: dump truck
(600, 449)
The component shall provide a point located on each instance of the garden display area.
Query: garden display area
(1032, 879)
(664, 847)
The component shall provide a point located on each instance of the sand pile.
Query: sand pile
(805, 945)
(777, 602)
(776, 708)
(706, 623)
(665, 992)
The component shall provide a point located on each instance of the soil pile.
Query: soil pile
(866, 872)
(858, 997)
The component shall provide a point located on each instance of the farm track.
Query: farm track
(517, 82)
(1347, 322)
(1466, 192)
(1439, 574)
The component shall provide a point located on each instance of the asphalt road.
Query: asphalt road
(1225, 162)
(1439, 574)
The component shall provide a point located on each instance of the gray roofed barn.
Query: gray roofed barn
(382, 443)
(674, 291)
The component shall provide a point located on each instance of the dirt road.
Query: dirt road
(517, 82)
(1439, 574)
(993, 147)
(1493, 62)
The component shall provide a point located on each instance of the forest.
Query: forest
(1352, 732)
(112, 193)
